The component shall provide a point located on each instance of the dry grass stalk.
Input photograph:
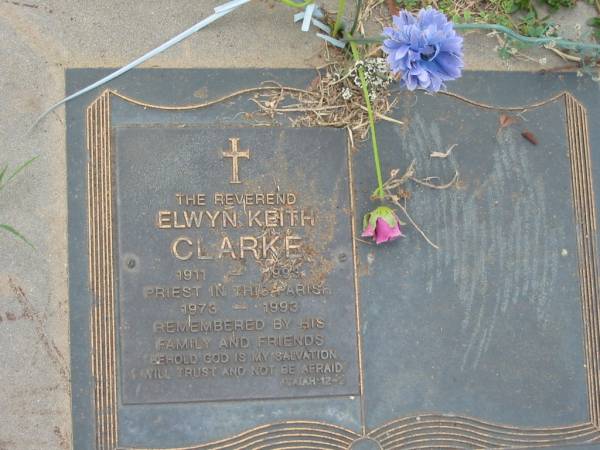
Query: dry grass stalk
(323, 104)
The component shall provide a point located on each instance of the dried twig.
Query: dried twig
(563, 55)
(384, 117)
(363, 241)
(447, 185)
(443, 154)
(413, 223)
(395, 193)
(332, 100)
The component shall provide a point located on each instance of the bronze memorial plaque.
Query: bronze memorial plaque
(222, 297)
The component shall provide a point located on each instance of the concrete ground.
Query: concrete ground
(39, 39)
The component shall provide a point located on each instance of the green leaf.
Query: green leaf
(366, 219)
(20, 168)
(504, 52)
(594, 22)
(16, 233)
(2, 172)
(511, 7)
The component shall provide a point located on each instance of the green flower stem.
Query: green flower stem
(363, 83)
(557, 42)
(367, 40)
(357, 14)
(338, 19)
(294, 4)
(564, 43)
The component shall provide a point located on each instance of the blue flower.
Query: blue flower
(424, 49)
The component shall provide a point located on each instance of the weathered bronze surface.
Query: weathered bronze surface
(221, 296)
(235, 271)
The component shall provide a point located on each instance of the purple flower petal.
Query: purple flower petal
(368, 232)
(450, 64)
(424, 49)
(384, 232)
(403, 19)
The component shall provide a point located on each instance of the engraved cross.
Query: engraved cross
(234, 153)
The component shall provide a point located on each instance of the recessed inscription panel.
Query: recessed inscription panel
(235, 263)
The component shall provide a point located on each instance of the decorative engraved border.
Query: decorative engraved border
(101, 271)
(422, 431)
(585, 220)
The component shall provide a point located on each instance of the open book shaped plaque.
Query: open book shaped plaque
(221, 295)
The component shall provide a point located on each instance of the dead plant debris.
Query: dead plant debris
(528, 135)
(395, 192)
(331, 100)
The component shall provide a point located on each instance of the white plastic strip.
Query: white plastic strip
(318, 13)
(321, 25)
(230, 5)
(332, 41)
(308, 13)
(161, 48)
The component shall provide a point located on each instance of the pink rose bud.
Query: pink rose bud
(382, 225)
